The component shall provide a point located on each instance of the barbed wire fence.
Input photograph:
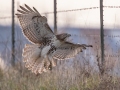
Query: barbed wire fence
(70, 10)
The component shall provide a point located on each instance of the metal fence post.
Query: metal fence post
(55, 16)
(102, 35)
(13, 36)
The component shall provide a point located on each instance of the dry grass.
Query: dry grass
(72, 77)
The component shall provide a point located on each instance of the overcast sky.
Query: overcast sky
(86, 18)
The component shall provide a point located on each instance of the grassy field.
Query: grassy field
(62, 77)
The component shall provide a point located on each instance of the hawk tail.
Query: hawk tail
(33, 60)
(31, 55)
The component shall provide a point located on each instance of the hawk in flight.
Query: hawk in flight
(46, 47)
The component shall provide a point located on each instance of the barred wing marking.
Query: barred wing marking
(34, 26)
(33, 60)
(68, 50)
(30, 54)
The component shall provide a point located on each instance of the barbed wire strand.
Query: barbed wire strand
(71, 10)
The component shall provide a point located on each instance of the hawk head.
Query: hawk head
(63, 36)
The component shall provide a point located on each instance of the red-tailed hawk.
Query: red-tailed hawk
(46, 46)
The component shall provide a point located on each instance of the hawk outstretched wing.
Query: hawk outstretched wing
(34, 26)
(67, 50)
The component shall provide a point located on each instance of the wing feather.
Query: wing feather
(33, 60)
(34, 26)
(30, 54)
(35, 9)
(68, 50)
(21, 11)
(28, 8)
(24, 9)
